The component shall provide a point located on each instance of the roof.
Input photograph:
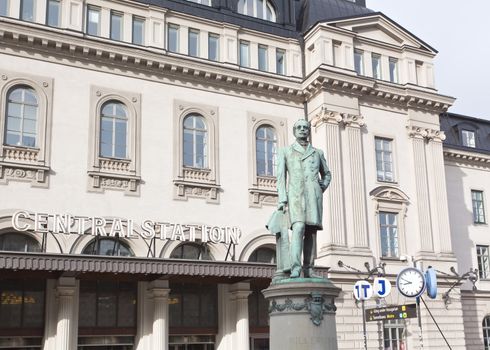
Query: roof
(313, 11)
(452, 124)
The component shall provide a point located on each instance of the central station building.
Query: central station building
(137, 168)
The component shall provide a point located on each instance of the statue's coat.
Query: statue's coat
(304, 189)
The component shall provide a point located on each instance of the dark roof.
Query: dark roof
(452, 124)
(313, 11)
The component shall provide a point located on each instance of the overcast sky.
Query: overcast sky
(459, 30)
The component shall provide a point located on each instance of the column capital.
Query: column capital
(435, 135)
(428, 134)
(416, 132)
(326, 116)
(353, 120)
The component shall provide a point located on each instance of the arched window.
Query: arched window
(266, 150)
(22, 117)
(262, 9)
(17, 242)
(192, 251)
(114, 130)
(107, 246)
(264, 255)
(486, 332)
(202, 2)
(195, 142)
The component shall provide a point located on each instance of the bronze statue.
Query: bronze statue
(302, 177)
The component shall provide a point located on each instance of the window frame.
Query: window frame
(377, 73)
(113, 15)
(393, 250)
(478, 218)
(464, 138)
(141, 20)
(398, 325)
(21, 11)
(244, 44)
(262, 189)
(58, 19)
(176, 28)
(483, 251)
(90, 9)
(22, 163)
(268, 172)
(7, 8)
(280, 52)
(394, 74)
(393, 163)
(486, 331)
(243, 7)
(28, 239)
(196, 182)
(359, 61)
(113, 120)
(23, 104)
(115, 173)
(195, 131)
(215, 36)
(197, 33)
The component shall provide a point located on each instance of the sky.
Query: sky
(459, 31)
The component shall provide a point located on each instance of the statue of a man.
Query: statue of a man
(305, 170)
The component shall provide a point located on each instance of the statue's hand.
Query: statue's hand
(282, 206)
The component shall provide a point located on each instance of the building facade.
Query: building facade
(137, 163)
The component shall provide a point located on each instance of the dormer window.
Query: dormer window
(262, 9)
(468, 138)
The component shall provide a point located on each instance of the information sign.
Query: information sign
(363, 290)
(396, 312)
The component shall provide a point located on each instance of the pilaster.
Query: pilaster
(66, 327)
(354, 155)
(418, 135)
(239, 294)
(160, 293)
(437, 184)
(51, 316)
(326, 126)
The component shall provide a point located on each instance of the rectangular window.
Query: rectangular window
(213, 47)
(468, 138)
(483, 257)
(389, 234)
(193, 42)
(4, 7)
(93, 20)
(393, 70)
(394, 334)
(478, 207)
(138, 36)
(116, 26)
(173, 38)
(263, 58)
(359, 61)
(244, 54)
(280, 61)
(384, 159)
(419, 72)
(27, 11)
(376, 61)
(53, 13)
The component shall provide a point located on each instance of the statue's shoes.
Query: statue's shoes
(309, 273)
(295, 273)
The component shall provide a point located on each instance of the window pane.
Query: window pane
(173, 38)
(126, 316)
(93, 20)
(376, 61)
(88, 304)
(4, 5)
(116, 26)
(27, 10)
(191, 309)
(358, 61)
(468, 138)
(213, 47)
(13, 139)
(244, 54)
(33, 305)
(193, 43)
(260, 8)
(280, 64)
(138, 30)
(11, 304)
(263, 58)
(53, 15)
(106, 305)
(393, 70)
(14, 110)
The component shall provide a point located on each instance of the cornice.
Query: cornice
(74, 49)
(466, 158)
(406, 97)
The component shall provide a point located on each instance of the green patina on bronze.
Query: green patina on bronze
(302, 177)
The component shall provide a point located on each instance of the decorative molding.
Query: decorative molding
(416, 132)
(467, 158)
(326, 116)
(101, 181)
(37, 175)
(353, 120)
(435, 135)
(427, 134)
(208, 191)
(388, 193)
(260, 197)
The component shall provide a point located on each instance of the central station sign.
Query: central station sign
(121, 227)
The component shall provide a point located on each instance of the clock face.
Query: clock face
(410, 282)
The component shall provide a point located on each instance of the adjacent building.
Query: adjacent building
(137, 170)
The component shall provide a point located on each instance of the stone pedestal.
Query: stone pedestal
(302, 314)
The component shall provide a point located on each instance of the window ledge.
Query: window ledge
(100, 181)
(36, 174)
(196, 189)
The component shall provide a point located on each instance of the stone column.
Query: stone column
(418, 136)
(438, 185)
(326, 126)
(66, 329)
(353, 125)
(240, 293)
(302, 315)
(160, 292)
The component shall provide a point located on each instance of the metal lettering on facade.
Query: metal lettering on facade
(397, 312)
(121, 227)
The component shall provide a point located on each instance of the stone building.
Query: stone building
(137, 163)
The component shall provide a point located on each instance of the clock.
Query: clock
(411, 282)
(431, 282)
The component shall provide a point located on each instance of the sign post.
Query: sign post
(363, 291)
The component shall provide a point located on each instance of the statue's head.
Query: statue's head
(301, 129)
